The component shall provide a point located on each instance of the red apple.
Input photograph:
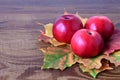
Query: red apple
(65, 26)
(87, 43)
(102, 25)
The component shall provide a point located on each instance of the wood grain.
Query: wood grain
(20, 58)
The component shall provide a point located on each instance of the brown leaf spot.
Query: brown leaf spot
(61, 64)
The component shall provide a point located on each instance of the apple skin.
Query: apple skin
(102, 25)
(65, 26)
(87, 43)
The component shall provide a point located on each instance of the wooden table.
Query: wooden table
(20, 58)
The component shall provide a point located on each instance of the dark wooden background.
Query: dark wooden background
(20, 58)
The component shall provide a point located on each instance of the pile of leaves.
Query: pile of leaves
(60, 56)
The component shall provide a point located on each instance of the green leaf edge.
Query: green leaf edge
(62, 55)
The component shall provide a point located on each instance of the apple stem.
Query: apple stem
(66, 17)
(89, 33)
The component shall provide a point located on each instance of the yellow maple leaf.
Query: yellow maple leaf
(81, 18)
(48, 29)
(65, 12)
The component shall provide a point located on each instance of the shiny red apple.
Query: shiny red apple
(102, 25)
(87, 43)
(65, 26)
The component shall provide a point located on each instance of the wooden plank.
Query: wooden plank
(20, 58)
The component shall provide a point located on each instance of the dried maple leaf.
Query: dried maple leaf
(58, 58)
(65, 12)
(81, 18)
(94, 72)
(113, 44)
(47, 34)
(91, 63)
(48, 30)
(100, 63)
(43, 37)
(115, 58)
